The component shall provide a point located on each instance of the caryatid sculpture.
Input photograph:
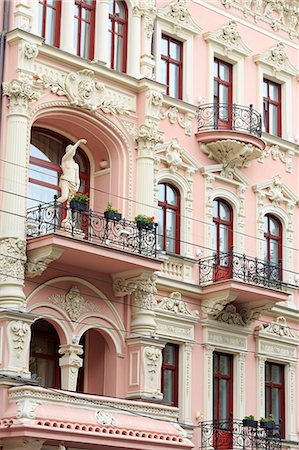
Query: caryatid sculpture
(69, 181)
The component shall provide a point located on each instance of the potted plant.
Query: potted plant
(79, 202)
(249, 421)
(268, 423)
(144, 222)
(112, 213)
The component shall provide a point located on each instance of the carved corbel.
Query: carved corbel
(215, 303)
(70, 363)
(40, 258)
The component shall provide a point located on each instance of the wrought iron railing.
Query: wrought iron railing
(231, 265)
(217, 116)
(232, 434)
(92, 226)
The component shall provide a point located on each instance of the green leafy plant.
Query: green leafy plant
(267, 419)
(80, 197)
(110, 208)
(251, 417)
(145, 219)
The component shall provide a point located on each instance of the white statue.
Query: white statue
(69, 182)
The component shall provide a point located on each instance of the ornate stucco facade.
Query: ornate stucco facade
(90, 306)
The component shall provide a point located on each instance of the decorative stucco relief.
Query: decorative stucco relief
(176, 157)
(105, 418)
(148, 137)
(231, 154)
(154, 100)
(12, 260)
(85, 91)
(152, 362)
(174, 116)
(18, 334)
(26, 409)
(20, 94)
(39, 259)
(174, 304)
(277, 58)
(279, 14)
(242, 316)
(229, 38)
(278, 327)
(278, 153)
(177, 12)
(73, 303)
(143, 288)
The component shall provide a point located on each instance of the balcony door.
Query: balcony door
(222, 238)
(223, 94)
(222, 400)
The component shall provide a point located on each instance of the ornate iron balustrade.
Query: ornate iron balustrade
(232, 434)
(231, 265)
(214, 116)
(90, 225)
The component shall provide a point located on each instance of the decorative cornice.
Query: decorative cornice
(85, 91)
(276, 191)
(178, 14)
(176, 158)
(175, 305)
(277, 59)
(229, 38)
(279, 330)
(184, 120)
(278, 153)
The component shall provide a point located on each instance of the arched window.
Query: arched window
(49, 12)
(46, 151)
(118, 27)
(223, 226)
(44, 358)
(84, 28)
(272, 241)
(169, 218)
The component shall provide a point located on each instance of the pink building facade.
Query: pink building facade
(162, 333)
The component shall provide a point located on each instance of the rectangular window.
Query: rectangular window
(84, 28)
(49, 21)
(272, 107)
(170, 368)
(275, 394)
(223, 92)
(172, 66)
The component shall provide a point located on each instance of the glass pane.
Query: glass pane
(111, 6)
(267, 368)
(85, 30)
(215, 69)
(50, 26)
(168, 385)
(43, 174)
(215, 399)
(266, 256)
(173, 80)
(216, 92)
(160, 228)
(171, 196)
(274, 226)
(267, 406)
(223, 96)
(214, 237)
(110, 49)
(276, 404)
(119, 8)
(225, 364)
(224, 211)
(274, 251)
(161, 192)
(76, 29)
(273, 126)
(119, 28)
(215, 208)
(223, 238)
(34, 151)
(170, 230)
(215, 362)
(266, 218)
(265, 89)
(276, 374)
(273, 91)
(40, 194)
(40, 19)
(118, 53)
(175, 51)
(169, 354)
(163, 75)
(224, 72)
(164, 47)
(223, 399)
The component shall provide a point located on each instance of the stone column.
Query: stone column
(185, 383)
(261, 360)
(134, 43)
(101, 31)
(208, 382)
(70, 363)
(67, 26)
(22, 444)
(291, 428)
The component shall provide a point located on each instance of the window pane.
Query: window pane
(76, 28)
(266, 256)
(170, 230)
(267, 406)
(40, 19)
(85, 39)
(274, 251)
(163, 72)
(118, 53)
(171, 196)
(273, 92)
(164, 46)
(43, 174)
(215, 208)
(119, 9)
(174, 51)
(168, 384)
(43, 369)
(214, 237)
(276, 404)
(215, 69)
(274, 226)
(161, 192)
(223, 238)
(276, 374)
(224, 364)
(223, 398)
(40, 194)
(160, 227)
(224, 211)
(267, 367)
(169, 354)
(265, 89)
(50, 26)
(216, 91)
(273, 126)
(224, 72)
(119, 28)
(173, 80)
(223, 96)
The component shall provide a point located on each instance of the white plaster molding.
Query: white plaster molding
(185, 120)
(18, 336)
(39, 259)
(277, 191)
(175, 305)
(232, 315)
(85, 91)
(105, 418)
(69, 363)
(229, 38)
(176, 157)
(231, 154)
(26, 409)
(276, 58)
(177, 13)
(277, 330)
(12, 260)
(20, 94)
(154, 100)
(73, 303)
(279, 153)
(278, 14)
(152, 362)
(148, 137)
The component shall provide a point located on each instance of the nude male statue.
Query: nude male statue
(69, 181)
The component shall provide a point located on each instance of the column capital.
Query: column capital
(12, 260)
(70, 363)
(20, 94)
(148, 137)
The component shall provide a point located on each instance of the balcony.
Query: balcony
(232, 434)
(241, 278)
(87, 239)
